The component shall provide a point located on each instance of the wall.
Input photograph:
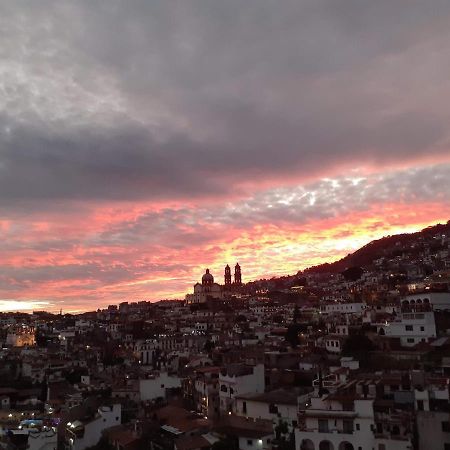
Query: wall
(153, 388)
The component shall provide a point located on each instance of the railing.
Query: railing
(304, 429)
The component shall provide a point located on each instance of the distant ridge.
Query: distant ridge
(384, 247)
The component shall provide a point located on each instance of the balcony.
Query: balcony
(328, 413)
(304, 429)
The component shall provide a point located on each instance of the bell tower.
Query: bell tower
(227, 275)
(237, 275)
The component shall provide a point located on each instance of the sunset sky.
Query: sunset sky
(143, 141)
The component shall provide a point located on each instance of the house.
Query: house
(237, 379)
(87, 431)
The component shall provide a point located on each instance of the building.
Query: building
(278, 405)
(238, 379)
(86, 432)
(411, 327)
(209, 289)
(438, 301)
(348, 419)
(20, 336)
(342, 308)
(155, 386)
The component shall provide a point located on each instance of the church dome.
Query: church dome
(207, 278)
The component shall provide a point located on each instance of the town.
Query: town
(353, 355)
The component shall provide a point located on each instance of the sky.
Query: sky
(144, 141)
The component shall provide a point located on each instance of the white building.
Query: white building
(342, 421)
(275, 406)
(155, 386)
(82, 434)
(43, 439)
(238, 379)
(342, 308)
(437, 300)
(145, 350)
(411, 328)
(334, 343)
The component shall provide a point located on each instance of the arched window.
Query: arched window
(223, 388)
(307, 444)
(326, 445)
(346, 446)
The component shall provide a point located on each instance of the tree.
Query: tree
(102, 444)
(353, 273)
(292, 334)
(358, 346)
(209, 346)
(228, 443)
(297, 314)
(285, 440)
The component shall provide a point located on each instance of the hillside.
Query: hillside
(387, 247)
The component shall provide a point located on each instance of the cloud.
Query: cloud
(163, 100)
(140, 141)
(147, 251)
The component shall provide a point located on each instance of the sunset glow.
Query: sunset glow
(131, 161)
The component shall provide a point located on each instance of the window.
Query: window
(410, 340)
(249, 441)
(357, 426)
(446, 446)
(420, 405)
(408, 327)
(446, 426)
(223, 388)
(381, 447)
(422, 328)
(273, 409)
(244, 407)
(347, 426)
(323, 426)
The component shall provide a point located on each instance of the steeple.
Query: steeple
(227, 275)
(237, 274)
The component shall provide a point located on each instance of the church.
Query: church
(208, 289)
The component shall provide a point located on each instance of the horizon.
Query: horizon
(32, 306)
(143, 142)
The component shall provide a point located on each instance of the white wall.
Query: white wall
(108, 417)
(153, 388)
(44, 440)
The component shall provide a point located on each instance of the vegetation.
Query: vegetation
(358, 346)
(228, 443)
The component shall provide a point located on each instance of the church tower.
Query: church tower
(237, 275)
(227, 275)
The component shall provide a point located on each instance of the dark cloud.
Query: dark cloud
(143, 100)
